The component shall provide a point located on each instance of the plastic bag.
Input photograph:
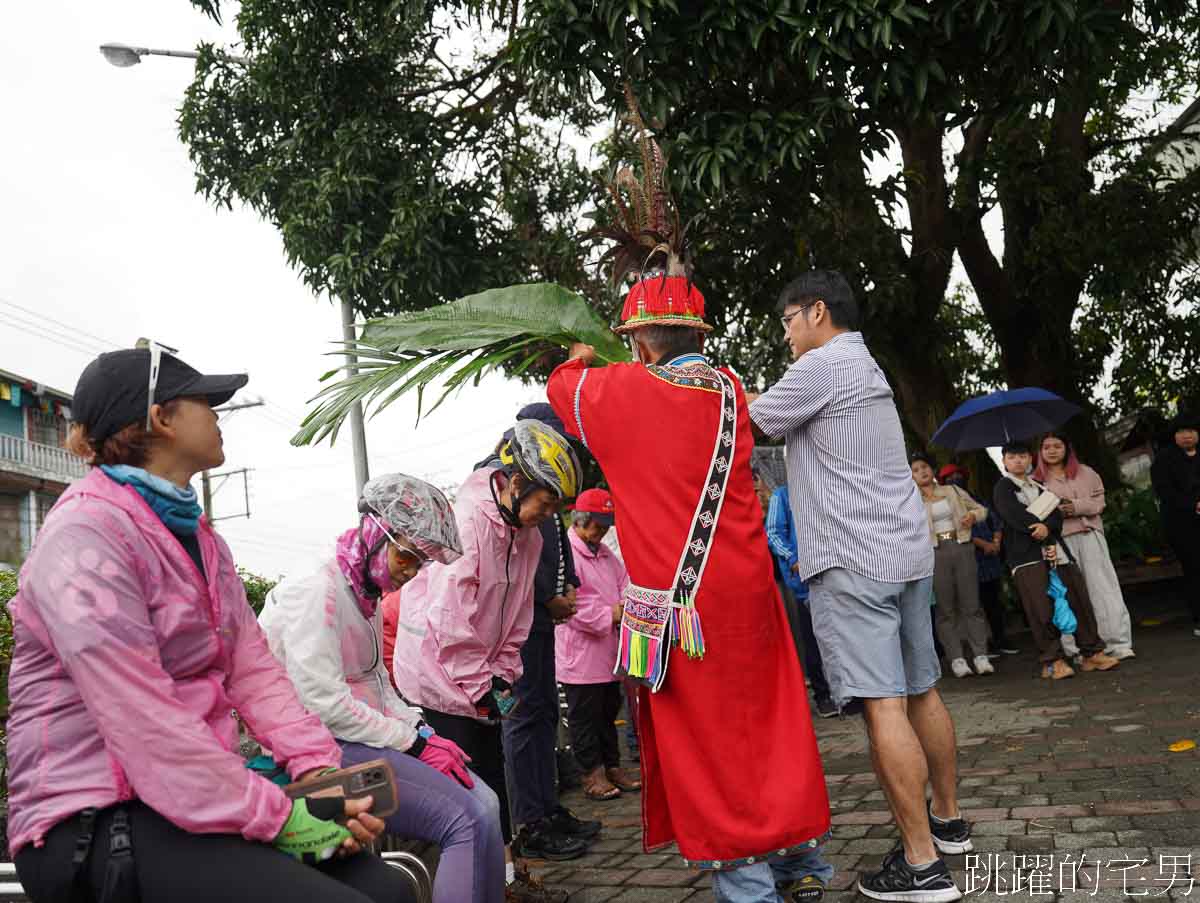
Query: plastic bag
(1064, 618)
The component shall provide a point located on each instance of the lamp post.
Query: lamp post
(125, 55)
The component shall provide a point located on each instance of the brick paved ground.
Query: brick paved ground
(1075, 768)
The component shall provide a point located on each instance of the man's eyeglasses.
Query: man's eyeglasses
(787, 320)
(156, 351)
(407, 551)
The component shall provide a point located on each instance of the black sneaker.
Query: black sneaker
(826, 708)
(808, 889)
(950, 837)
(563, 821)
(897, 880)
(541, 841)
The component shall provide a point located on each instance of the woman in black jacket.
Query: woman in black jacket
(1032, 546)
(1176, 479)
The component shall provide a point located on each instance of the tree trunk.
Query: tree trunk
(1030, 298)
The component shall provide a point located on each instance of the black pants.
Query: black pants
(531, 733)
(814, 668)
(993, 607)
(173, 866)
(1184, 538)
(592, 711)
(483, 743)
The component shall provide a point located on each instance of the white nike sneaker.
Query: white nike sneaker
(983, 666)
(960, 668)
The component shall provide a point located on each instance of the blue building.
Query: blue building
(35, 469)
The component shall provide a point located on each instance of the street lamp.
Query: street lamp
(123, 56)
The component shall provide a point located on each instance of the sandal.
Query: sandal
(597, 787)
(622, 780)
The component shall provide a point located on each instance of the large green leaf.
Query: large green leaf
(541, 309)
(456, 343)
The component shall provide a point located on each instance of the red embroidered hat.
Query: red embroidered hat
(660, 300)
(650, 241)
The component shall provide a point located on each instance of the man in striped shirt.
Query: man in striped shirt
(863, 546)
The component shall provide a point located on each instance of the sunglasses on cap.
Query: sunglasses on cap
(156, 351)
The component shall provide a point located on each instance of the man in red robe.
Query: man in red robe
(730, 764)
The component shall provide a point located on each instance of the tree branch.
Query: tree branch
(983, 269)
(455, 84)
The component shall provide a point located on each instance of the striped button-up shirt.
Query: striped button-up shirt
(853, 496)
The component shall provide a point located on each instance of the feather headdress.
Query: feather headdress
(649, 240)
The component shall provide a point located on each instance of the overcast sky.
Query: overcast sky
(104, 241)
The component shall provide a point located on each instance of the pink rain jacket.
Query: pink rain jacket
(127, 669)
(332, 653)
(585, 647)
(463, 623)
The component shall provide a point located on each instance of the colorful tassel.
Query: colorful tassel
(685, 623)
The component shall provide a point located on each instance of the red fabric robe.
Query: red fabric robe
(730, 763)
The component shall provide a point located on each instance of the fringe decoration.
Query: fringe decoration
(685, 624)
(643, 656)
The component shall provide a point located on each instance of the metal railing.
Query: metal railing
(414, 868)
(45, 459)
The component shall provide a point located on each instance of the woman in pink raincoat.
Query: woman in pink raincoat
(326, 630)
(135, 645)
(461, 625)
(585, 651)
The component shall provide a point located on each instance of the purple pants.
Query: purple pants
(437, 809)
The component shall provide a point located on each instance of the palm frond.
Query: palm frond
(457, 342)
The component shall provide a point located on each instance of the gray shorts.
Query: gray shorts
(876, 639)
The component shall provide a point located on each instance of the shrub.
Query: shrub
(1132, 525)
(256, 588)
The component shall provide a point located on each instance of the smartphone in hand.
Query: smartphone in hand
(374, 779)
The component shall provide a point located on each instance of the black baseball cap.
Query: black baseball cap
(112, 390)
(1186, 420)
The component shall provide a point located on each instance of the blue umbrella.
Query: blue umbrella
(1003, 417)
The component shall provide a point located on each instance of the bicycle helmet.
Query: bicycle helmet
(541, 455)
(414, 509)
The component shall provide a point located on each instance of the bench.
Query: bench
(407, 862)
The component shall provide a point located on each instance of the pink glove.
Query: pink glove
(448, 758)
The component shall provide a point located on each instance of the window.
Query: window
(48, 429)
(45, 501)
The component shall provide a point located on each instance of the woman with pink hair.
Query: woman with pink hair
(1082, 503)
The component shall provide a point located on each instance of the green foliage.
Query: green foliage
(870, 136)
(256, 589)
(8, 589)
(1132, 525)
(876, 136)
(398, 175)
(458, 342)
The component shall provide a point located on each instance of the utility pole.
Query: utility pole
(358, 433)
(205, 477)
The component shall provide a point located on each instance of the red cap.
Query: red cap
(595, 501)
(950, 470)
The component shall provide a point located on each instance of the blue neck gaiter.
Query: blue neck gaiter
(176, 508)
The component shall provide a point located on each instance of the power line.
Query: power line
(62, 341)
(68, 326)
